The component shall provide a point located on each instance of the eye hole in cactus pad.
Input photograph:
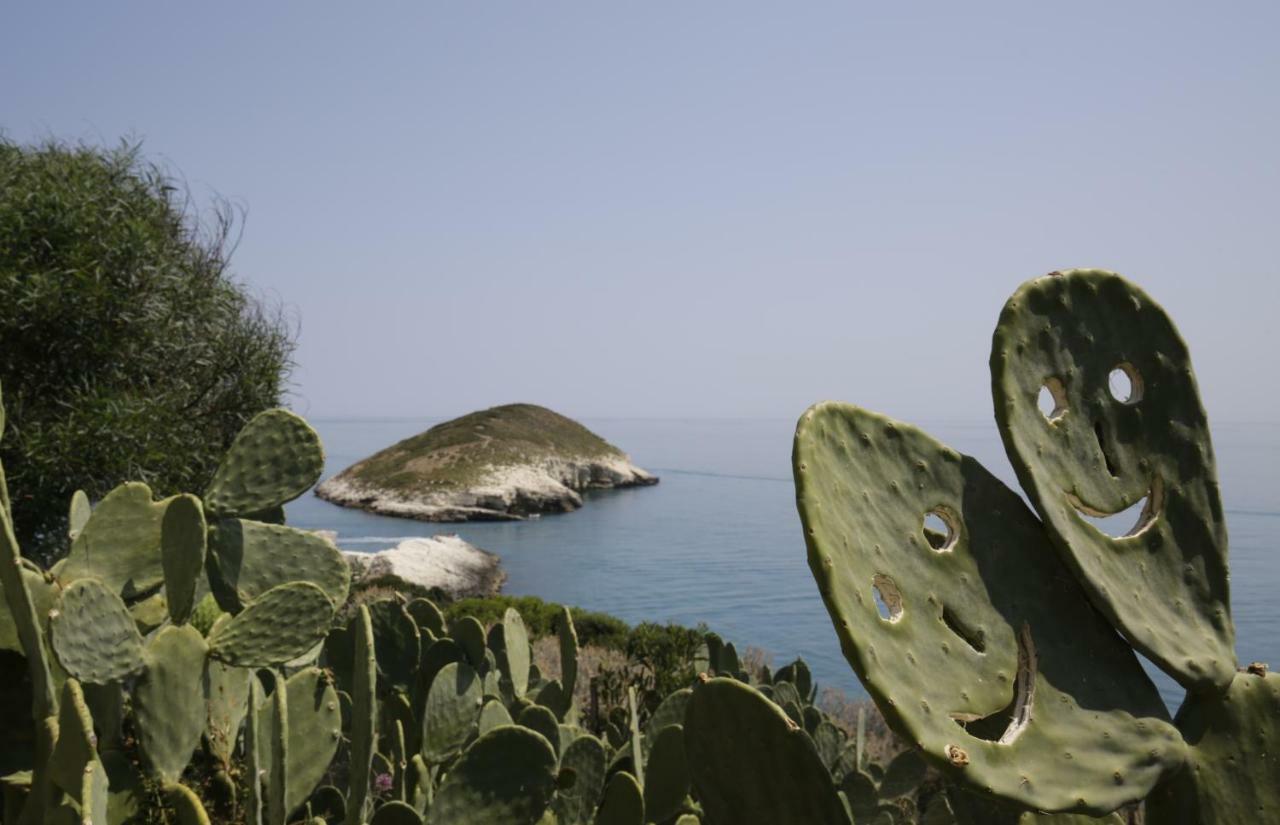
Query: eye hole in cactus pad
(888, 598)
(1052, 400)
(1125, 383)
(941, 529)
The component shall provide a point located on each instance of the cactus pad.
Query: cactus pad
(513, 651)
(248, 558)
(280, 625)
(586, 757)
(275, 458)
(93, 634)
(397, 643)
(120, 543)
(982, 651)
(666, 775)
(78, 514)
(1164, 584)
(182, 547)
(623, 802)
(314, 726)
(1233, 774)
(567, 636)
(452, 711)
(43, 596)
(364, 714)
(751, 764)
(508, 776)
(168, 700)
(76, 747)
(226, 697)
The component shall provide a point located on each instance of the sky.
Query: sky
(693, 209)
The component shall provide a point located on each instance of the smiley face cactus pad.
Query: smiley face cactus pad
(1100, 451)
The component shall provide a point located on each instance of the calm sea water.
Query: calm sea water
(718, 540)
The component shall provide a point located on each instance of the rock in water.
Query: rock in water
(507, 462)
(447, 562)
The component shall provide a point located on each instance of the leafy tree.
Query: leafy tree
(127, 352)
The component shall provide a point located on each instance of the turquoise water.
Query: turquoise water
(718, 540)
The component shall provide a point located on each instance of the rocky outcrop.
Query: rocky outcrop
(446, 562)
(505, 463)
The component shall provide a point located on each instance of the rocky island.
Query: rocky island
(507, 462)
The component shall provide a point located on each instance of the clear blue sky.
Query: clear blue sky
(694, 209)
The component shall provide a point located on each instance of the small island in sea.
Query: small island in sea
(507, 462)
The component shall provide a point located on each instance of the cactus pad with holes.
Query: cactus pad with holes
(1233, 774)
(1164, 585)
(273, 460)
(280, 625)
(248, 558)
(93, 634)
(983, 638)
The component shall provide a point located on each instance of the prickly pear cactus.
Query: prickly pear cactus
(93, 635)
(182, 549)
(282, 624)
(1233, 774)
(750, 763)
(168, 700)
(120, 543)
(977, 642)
(508, 775)
(982, 651)
(274, 459)
(1163, 584)
(248, 558)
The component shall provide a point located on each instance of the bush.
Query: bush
(126, 350)
(597, 629)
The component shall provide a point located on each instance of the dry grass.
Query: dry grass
(592, 661)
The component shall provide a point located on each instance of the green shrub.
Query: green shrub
(597, 629)
(126, 350)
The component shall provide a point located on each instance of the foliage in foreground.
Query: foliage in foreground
(983, 649)
(992, 644)
(127, 353)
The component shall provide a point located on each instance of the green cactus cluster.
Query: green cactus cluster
(1003, 646)
(131, 669)
(997, 639)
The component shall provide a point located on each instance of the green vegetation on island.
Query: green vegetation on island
(505, 462)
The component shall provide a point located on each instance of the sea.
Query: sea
(718, 541)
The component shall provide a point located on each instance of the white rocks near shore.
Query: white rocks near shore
(446, 561)
(505, 493)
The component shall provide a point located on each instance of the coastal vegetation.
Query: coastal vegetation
(130, 353)
(997, 641)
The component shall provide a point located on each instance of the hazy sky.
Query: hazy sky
(694, 209)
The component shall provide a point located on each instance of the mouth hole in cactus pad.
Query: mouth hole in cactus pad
(1007, 724)
(1139, 516)
(888, 599)
(941, 528)
(1125, 383)
(1052, 400)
